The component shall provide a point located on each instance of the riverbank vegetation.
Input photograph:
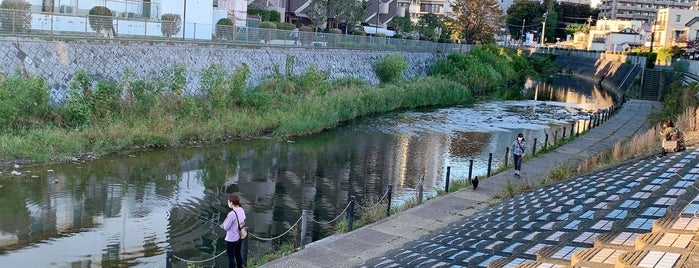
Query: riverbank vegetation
(101, 117)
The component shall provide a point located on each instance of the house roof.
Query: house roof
(692, 22)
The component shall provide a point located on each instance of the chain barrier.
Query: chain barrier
(161, 262)
(336, 218)
(276, 237)
(201, 261)
(376, 204)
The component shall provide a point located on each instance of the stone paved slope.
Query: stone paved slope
(443, 231)
(553, 223)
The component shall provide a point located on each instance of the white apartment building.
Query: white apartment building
(615, 35)
(670, 28)
(418, 8)
(644, 10)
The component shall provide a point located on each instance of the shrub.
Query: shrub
(23, 102)
(306, 35)
(15, 16)
(390, 68)
(650, 60)
(285, 26)
(265, 15)
(170, 24)
(100, 18)
(224, 89)
(225, 29)
(267, 28)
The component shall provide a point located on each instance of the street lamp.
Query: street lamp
(543, 29)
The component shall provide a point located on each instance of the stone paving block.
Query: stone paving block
(649, 258)
(540, 265)
(666, 242)
(597, 257)
(617, 240)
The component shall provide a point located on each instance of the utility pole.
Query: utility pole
(543, 29)
(378, 7)
(524, 36)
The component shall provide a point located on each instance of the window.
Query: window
(678, 18)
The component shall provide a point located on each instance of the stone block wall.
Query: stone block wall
(58, 61)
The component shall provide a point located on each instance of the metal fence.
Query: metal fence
(80, 26)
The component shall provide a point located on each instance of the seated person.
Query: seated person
(671, 133)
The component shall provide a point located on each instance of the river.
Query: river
(127, 210)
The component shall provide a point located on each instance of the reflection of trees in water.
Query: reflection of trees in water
(572, 90)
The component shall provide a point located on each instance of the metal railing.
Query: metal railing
(23, 23)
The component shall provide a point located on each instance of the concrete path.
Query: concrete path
(373, 242)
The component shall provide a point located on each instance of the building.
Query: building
(670, 28)
(643, 10)
(693, 29)
(138, 17)
(611, 35)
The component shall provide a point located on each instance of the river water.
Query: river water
(127, 210)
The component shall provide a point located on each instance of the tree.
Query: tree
(574, 28)
(477, 21)
(352, 12)
(523, 16)
(317, 12)
(403, 25)
(170, 24)
(427, 25)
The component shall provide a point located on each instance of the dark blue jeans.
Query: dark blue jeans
(518, 162)
(235, 258)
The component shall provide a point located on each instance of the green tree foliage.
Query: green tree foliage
(390, 68)
(170, 24)
(523, 13)
(574, 28)
(100, 18)
(349, 12)
(264, 15)
(403, 25)
(477, 21)
(225, 29)
(15, 16)
(24, 102)
(317, 12)
(427, 25)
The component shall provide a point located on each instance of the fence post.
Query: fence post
(304, 222)
(470, 168)
(564, 133)
(577, 129)
(572, 130)
(490, 163)
(507, 153)
(388, 207)
(589, 124)
(419, 189)
(244, 248)
(168, 258)
(350, 221)
(546, 141)
(51, 16)
(555, 137)
(534, 147)
(446, 181)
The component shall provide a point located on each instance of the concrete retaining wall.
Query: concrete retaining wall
(57, 61)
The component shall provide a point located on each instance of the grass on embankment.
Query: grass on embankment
(267, 113)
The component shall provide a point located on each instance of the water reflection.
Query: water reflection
(128, 210)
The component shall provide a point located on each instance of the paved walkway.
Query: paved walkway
(444, 231)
